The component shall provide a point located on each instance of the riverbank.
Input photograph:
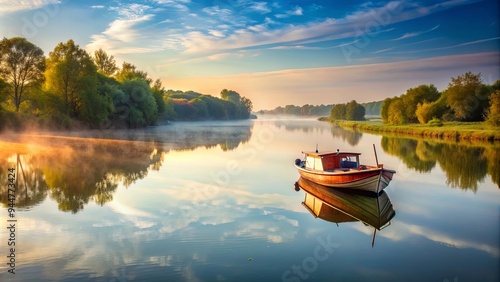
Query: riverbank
(448, 130)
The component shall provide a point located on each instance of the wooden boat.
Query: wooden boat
(343, 170)
(338, 206)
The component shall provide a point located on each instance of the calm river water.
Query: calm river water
(215, 201)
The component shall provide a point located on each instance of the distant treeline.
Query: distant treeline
(371, 108)
(195, 106)
(467, 98)
(74, 89)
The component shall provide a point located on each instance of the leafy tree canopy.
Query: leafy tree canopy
(21, 66)
(71, 76)
(105, 64)
(467, 97)
(130, 72)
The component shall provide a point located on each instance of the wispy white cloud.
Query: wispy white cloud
(122, 36)
(383, 50)
(315, 7)
(404, 45)
(416, 33)
(216, 33)
(10, 6)
(310, 32)
(297, 11)
(217, 11)
(219, 28)
(450, 47)
(180, 5)
(477, 41)
(260, 7)
(131, 11)
(97, 7)
(295, 47)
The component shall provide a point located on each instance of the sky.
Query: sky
(276, 52)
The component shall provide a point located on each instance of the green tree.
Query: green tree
(495, 86)
(384, 112)
(354, 111)
(142, 108)
(292, 110)
(493, 113)
(396, 112)
(194, 106)
(71, 76)
(3, 90)
(107, 90)
(130, 72)
(21, 65)
(230, 95)
(467, 97)
(424, 112)
(414, 96)
(247, 104)
(338, 112)
(200, 108)
(429, 110)
(158, 93)
(184, 110)
(305, 110)
(243, 105)
(105, 64)
(169, 112)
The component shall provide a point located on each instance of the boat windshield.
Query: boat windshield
(349, 162)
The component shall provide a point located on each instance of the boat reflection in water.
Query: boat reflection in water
(342, 205)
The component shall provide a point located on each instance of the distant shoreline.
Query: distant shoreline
(449, 130)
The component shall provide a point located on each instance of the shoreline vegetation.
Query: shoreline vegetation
(473, 131)
(467, 109)
(71, 89)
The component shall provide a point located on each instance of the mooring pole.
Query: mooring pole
(375, 150)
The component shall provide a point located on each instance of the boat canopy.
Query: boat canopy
(326, 153)
(329, 161)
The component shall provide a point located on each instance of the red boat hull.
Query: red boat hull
(370, 179)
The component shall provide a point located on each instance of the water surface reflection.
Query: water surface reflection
(465, 165)
(344, 205)
(74, 171)
(196, 202)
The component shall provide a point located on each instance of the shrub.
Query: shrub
(435, 122)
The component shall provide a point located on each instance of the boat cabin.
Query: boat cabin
(330, 161)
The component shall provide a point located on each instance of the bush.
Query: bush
(435, 122)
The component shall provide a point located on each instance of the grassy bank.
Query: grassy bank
(448, 130)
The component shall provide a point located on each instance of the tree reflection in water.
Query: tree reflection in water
(74, 171)
(352, 137)
(465, 165)
(31, 186)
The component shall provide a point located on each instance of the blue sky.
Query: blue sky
(276, 52)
